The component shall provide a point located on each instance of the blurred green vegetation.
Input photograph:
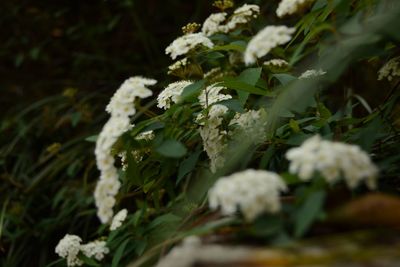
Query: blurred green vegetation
(61, 62)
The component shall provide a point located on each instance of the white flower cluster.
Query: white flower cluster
(96, 249)
(70, 246)
(265, 40)
(147, 135)
(120, 107)
(243, 14)
(252, 191)
(250, 124)
(213, 137)
(178, 65)
(218, 22)
(212, 95)
(276, 63)
(311, 74)
(171, 94)
(332, 160)
(182, 45)
(390, 69)
(118, 219)
(214, 24)
(289, 7)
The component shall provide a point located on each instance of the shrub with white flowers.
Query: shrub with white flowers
(235, 100)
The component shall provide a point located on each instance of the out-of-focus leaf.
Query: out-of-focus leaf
(308, 212)
(172, 149)
(188, 165)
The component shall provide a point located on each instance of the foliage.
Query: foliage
(165, 179)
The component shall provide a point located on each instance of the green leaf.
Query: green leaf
(119, 253)
(294, 125)
(163, 219)
(233, 104)
(238, 85)
(238, 46)
(75, 118)
(92, 138)
(214, 55)
(88, 261)
(154, 126)
(192, 89)
(324, 112)
(250, 75)
(188, 165)
(284, 78)
(308, 212)
(172, 149)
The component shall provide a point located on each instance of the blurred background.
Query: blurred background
(89, 45)
(60, 63)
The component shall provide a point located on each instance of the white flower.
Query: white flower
(213, 24)
(182, 45)
(121, 107)
(250, 124)
(332, 160)
(213, 137)
(243, 15)
(68, 248)
(289, 7)
(147, 135)
(390, 69)
(252, 191)
(312, 74)
(211, 95)
(171, 94)
(121, 103)
(279, 63)
(95, 248)
(118, 219)
(178, 65)
(265, 40)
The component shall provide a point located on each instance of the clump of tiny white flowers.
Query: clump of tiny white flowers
(250, 124)
(213, 137)
(252, 191)
(312, 74)
(182, 45)
(212, 95)
(265, 40)
(289, 7)
(218, 22)
(276, 63)
(68, 248)
(121, 107)
(118, 219)
(243, 15)
(171, 94)
(332, 160)
(390, 69)
(96, 249)
(214, 24)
